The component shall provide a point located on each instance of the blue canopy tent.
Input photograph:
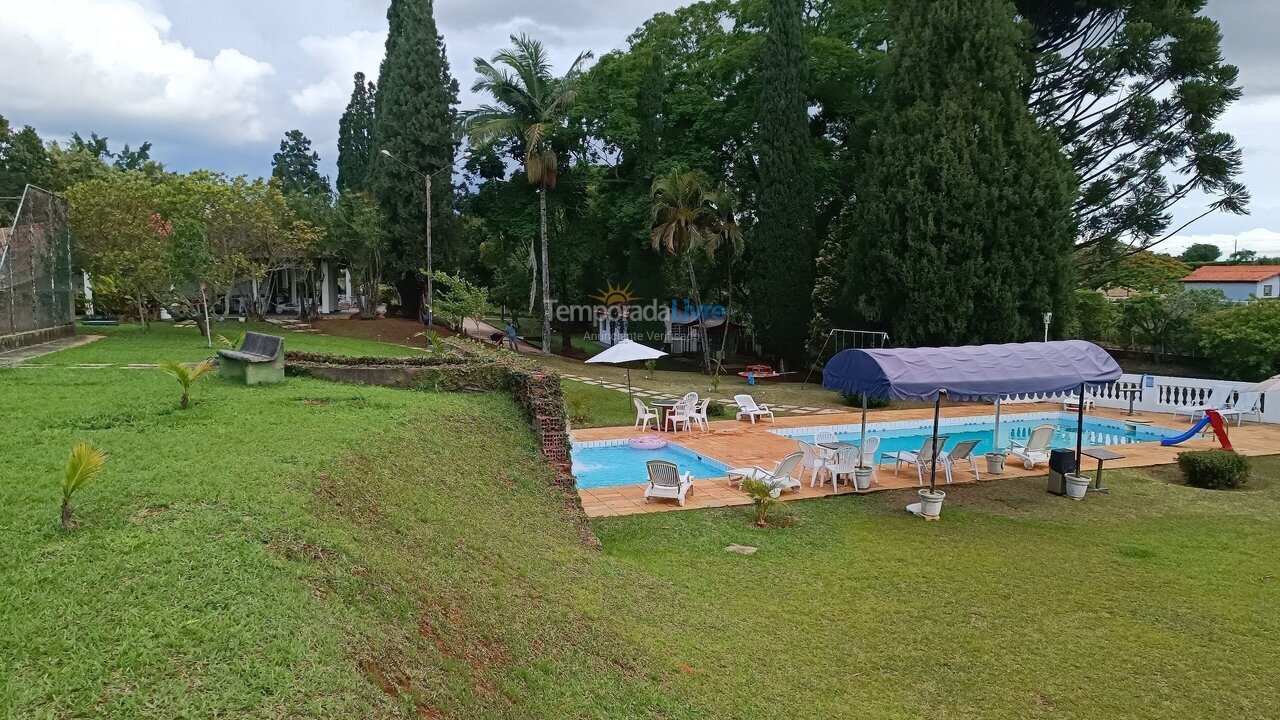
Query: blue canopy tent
(972, 372)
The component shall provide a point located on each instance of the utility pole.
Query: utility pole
(426, 177)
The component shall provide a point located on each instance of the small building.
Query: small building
(1238, 283)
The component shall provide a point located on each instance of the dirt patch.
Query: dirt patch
(347, 500)
(394, 682)
(398, 331)
(295, 548)
(446, 626)
(147, 513)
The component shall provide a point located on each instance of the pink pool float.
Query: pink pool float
(647, 442)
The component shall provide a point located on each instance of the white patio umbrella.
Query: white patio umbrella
(1268, 385)
(624, 352)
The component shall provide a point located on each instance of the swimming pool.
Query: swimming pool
(911, 435)
(608, 463)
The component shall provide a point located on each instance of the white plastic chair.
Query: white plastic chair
(931, 447)
(643, 415)
(679, 413)
(844, 462)
(747, 406)
(700, 414)
(813, 458)
(779, 478)
(1215, 400)
(665, 481)
(869, 458)
(1246, 403)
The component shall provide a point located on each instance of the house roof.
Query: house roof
(1232, 273)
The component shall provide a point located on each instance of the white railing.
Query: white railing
(1163, 393)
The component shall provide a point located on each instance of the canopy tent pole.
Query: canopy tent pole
(933, 456)
(862, 442)
(995, 434)
(1080, 432)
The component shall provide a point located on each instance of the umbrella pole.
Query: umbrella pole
(995, 434)
(629, 398)
(933, 456)
(862, 443)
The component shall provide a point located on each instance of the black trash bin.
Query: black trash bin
(1062, 462)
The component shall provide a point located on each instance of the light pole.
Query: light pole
(426, 177)
(1048, 318)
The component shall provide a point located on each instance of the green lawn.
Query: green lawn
(320, 550)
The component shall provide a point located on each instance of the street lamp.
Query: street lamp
(426, 177)
(1048, 318)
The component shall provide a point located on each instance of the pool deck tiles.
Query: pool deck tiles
(739, 444)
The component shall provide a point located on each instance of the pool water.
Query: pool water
(1096, 432)
(597, 467)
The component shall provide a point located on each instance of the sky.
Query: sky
(217, 84)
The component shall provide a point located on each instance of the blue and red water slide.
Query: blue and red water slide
(1211, 417)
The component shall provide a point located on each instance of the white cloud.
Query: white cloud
(340, 57)
(1260, 240)
(114, 59)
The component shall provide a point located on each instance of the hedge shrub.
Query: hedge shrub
(1214, 469)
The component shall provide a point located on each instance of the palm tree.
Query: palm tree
(187, 374)
(530, 105)
(687, 215)
(86, 461)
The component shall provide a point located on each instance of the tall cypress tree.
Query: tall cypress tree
(783, 242)
(415, 107)
(355, 137)
(961, 225)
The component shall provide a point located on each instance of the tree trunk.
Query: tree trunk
(702, 321)
(546, 276)
(68, 523)
(142, 312)
(728, 302)
(206, 329)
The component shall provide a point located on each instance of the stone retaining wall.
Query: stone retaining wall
(35, 337)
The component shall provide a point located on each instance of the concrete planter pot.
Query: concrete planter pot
(995, 463)
(931, 503)
(862, 477)
(1077, 486)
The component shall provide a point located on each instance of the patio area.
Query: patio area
(739, 443)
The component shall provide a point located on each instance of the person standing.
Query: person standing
(511, 335)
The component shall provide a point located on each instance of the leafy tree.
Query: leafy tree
(358, 237)
(355, 137)
(530, 106)
(129, 159)
(690, 216)
(297, 167)
(1201, 253)
(961, 226)
(415, 114)
(1095, 318)
(1243, 340)
(784, 244)
(460, 300)
(1165, 322)
(23, 161)
(193, 266)
(1146, 271)
(1133, 89)
(121, 234)
(1243, 256)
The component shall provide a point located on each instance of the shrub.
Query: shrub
(762, 496)
(86, 461)
(1243, 341)
(855, 400)
(715, 409)
(1214, 469)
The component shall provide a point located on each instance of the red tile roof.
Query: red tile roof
(1232, 273)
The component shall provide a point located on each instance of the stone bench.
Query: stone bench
(259, 360)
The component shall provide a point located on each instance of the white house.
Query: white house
(1238, 282)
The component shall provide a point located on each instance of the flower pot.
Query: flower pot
(1077, 486)
(862, 477)
(995, 463)
(931, 502)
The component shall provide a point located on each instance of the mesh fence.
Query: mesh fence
(36, 289)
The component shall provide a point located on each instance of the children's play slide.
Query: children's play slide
(1211, 417)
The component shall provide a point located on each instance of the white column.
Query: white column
(293, 285)
(351, 293)
(328, 301)
(88, 294)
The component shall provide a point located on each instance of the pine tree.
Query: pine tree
(297, 167)
(355, 137)
(415, 108)
(783, 242)
(961, 224)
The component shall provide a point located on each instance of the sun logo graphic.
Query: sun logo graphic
(615, 295)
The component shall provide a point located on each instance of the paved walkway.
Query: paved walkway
(17, 357)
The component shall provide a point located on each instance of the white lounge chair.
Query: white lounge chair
(1246, 403)
(1036, 449)
(700, 414)
(1072, 402)
(665, 481)
(643, 415)
(747, 406)
(779, 478)
(679, 413)
(961, 452)
(931, 447)
(1215, 400)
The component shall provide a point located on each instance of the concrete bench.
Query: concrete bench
(259, 360)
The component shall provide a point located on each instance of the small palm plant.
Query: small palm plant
(231, 342)
(187, 374)
(761, 494)
(86, 461)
